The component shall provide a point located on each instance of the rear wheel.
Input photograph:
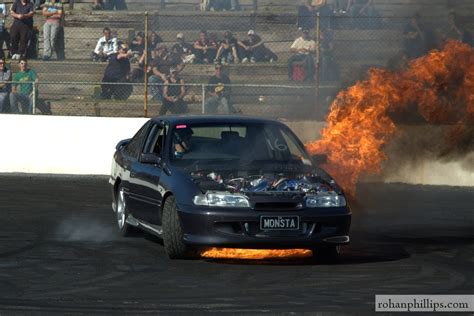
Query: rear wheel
(173, 233)
(122, 213)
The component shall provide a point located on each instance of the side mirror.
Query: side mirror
(319, 159)
(121, 144)
(151, 159)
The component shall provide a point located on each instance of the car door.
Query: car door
(146, 174)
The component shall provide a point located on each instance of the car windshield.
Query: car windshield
(237, 146)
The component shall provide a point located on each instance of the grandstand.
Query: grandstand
(72, 83)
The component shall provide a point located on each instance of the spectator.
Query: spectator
(5, 76)
(205, 49)
(4, 35)
(160, 68)
(23, 92)
(183, 49)
(53, 12)
(227, 52)
(340, 6)
(306, 19)
(329, 68)
(361, 7)
(118, 70)
(137, 46)
(106, 46)
(22, 12)
(138, 73)
(304, 48)
(173, 94)
(253, 49)
(153, 41)
(219, 87)
(414, 38)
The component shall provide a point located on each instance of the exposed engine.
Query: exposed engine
(305, 183)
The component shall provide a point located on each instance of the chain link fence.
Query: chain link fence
(255, 48)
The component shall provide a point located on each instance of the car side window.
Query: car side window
(154, 142)
(134, 147)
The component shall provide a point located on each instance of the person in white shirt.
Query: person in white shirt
(304, 48)
(106, 46)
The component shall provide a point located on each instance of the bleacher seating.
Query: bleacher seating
(355, 49)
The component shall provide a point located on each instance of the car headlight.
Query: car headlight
(325, 200)
(221, 199)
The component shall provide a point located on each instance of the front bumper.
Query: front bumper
(240, 228)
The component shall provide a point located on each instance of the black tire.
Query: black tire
(327, 254)
(122, 213)
(173, 233)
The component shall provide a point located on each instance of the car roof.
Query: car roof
(199, 119)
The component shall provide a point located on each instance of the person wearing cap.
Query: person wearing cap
(219, 88)
(53, 12)
(205, 48)
(118, 70)
(303, 48)
(227, 52)
(159, 70)
(173, 94)
(183, 49)
(106, 46)
(253, 49)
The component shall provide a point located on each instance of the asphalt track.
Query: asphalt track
(60, 253)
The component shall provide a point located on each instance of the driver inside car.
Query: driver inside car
(182, 140)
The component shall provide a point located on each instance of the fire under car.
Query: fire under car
(222, 181)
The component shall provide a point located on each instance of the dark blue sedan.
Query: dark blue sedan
(221, 181)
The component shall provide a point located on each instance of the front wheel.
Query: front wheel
(122, 213)
(173, 233)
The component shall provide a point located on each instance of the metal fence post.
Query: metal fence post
(203, 102)
(33, 103)
(318, 61)
(145, 68)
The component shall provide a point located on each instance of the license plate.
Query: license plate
(279, 222)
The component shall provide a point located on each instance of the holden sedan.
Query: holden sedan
(221, 181)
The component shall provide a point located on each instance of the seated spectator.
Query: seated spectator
(138, 73)
(118, 70)
(153, 41)
(304, 48)
(361, 7)
(23, 92)
(227, 52)
(137, 46)
(329, 68)
(5, 76)
(183, 49)
(160, 68)
(220, 90)
(173, 94)
(204, 48)
(414, 38)
(106, 46)
(253, 49)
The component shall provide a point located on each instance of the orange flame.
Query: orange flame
(255, 254)
(440, 85)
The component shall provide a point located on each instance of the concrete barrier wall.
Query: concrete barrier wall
(85, 145)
